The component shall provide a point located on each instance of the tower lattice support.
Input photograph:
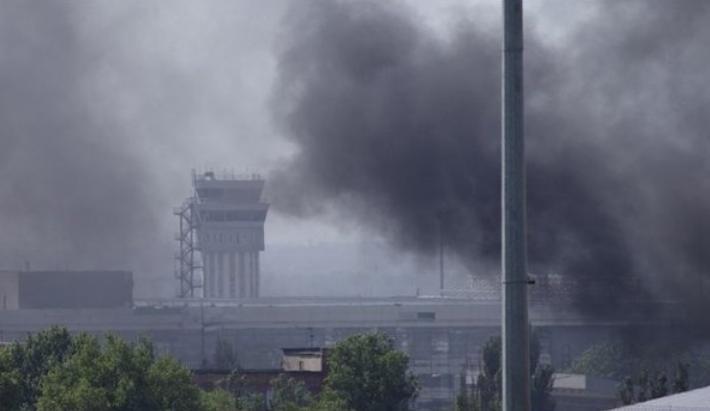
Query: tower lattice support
(189, 267)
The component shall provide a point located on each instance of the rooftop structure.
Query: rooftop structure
(694, 400)
(578, 392)
(303, 360)
(65, 289)
(221, 235)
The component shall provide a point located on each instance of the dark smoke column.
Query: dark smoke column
(516, 364)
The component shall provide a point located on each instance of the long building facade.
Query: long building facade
(442, 337)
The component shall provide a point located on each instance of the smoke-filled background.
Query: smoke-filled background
(105, 108)
(380, 119)
(398, 126)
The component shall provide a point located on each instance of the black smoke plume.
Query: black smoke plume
(399, 128)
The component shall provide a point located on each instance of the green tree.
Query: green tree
(23, 364)
(465, 400)
(251, 401)
(116, 376)
(10, 382)
(647, 388)
(488, 386)
(328, 401)
(487, 393)
(217, 400)
(606, 360)
(289, 394)
(659, 385)
(369, 374)
(680, 382)
(541, 388)
(644, 387)
(541, 378)
(617, 359)
(625, 391)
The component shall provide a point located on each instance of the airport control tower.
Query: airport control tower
(221, 235)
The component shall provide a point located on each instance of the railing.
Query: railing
(208, 174)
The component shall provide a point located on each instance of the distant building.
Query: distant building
(306, 365)
(694, 400)
(65, 289)
(578, 392)
(303, 360)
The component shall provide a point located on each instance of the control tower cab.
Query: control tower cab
(226, 223)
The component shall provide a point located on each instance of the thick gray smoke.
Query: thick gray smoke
(73, 193)
(400, 127)
(106, 106)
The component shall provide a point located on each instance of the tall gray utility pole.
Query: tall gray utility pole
(440, 224)
(516, 350)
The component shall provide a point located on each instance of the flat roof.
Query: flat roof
(694, 400)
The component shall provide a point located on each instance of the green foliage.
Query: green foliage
(369, 374)
(217, 400)
(486, 395)
(644, 370)
(541, 388)
(466, 400)
(22, 366)
(606, 360)
(680, 382)
(534, 350)
(328, 401)
(251, 401)
(626, 390)
(10, 382)
(117, 376)
(615, 360)
(289, 394)
(647, 388)
(644, 387)
(55, 371)
(488, 384)
(541, 378)
(236, 383)
(170, 386)
(659, 385)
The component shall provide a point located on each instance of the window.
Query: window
(210, 192)
(426, 316)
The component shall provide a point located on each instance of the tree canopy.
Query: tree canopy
(368, 374)
(486, 394)
(23, 365)
(53, 371)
